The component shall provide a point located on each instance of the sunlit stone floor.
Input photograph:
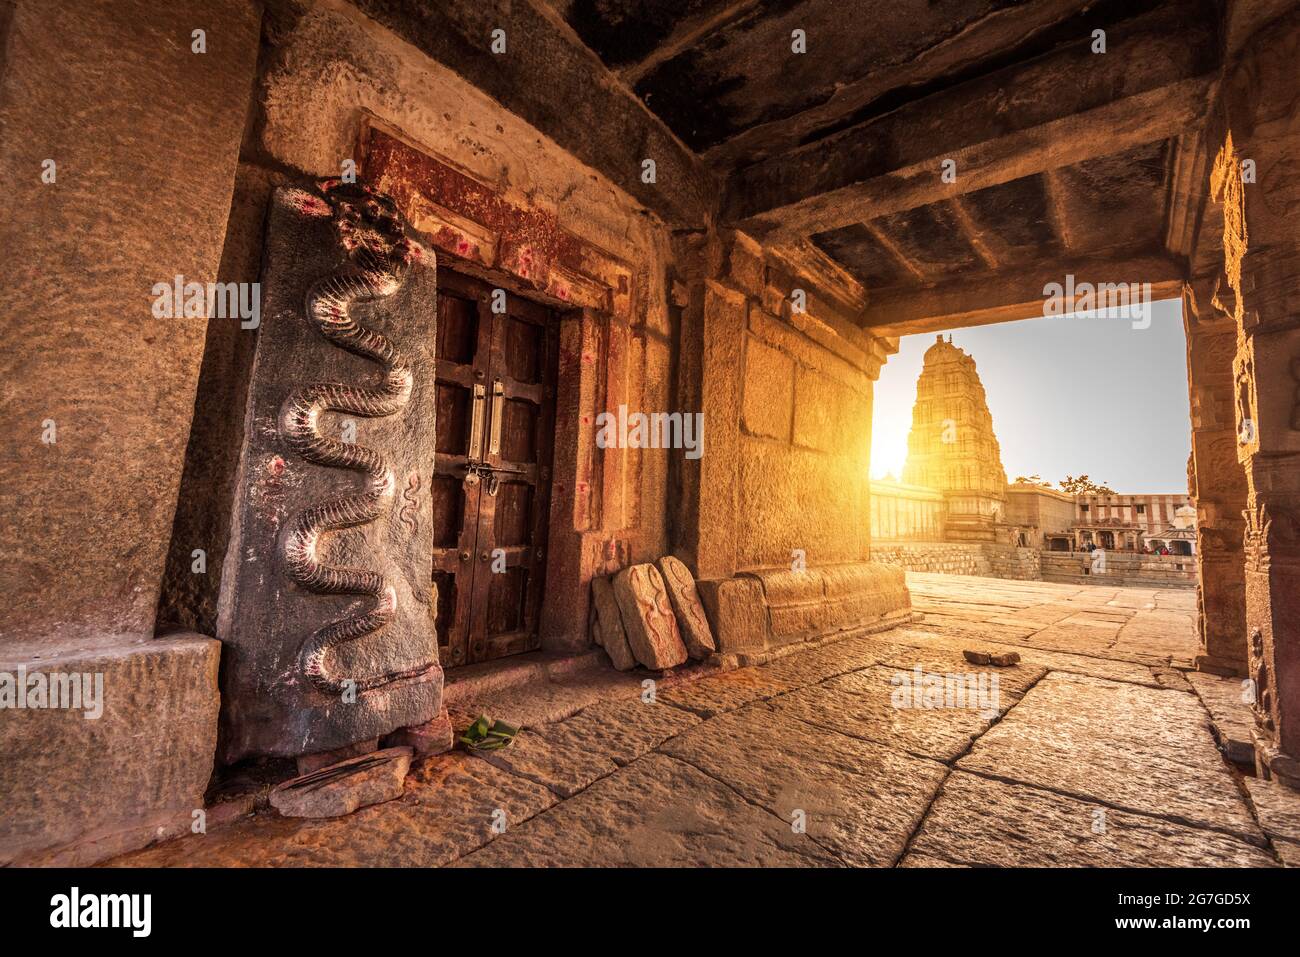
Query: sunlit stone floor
(1094, 750)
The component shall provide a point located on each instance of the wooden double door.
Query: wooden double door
(497, 362)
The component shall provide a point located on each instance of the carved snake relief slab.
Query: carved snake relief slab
(325, 595)
(648, 618)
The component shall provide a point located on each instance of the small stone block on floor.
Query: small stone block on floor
(685, 599)
(609, 631)
(344, 787)
(432, 737)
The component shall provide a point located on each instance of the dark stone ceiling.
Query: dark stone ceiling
(720, 74)
(715, 69)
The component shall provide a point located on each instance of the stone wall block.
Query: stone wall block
(76, 789)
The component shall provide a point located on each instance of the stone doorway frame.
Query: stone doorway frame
(478, 231)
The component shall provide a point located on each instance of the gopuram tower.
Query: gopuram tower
(952, 447)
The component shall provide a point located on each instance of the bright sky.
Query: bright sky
(1069, 395)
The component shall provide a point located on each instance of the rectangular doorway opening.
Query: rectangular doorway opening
(497, 365)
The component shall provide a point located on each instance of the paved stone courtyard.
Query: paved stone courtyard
(1097, 750)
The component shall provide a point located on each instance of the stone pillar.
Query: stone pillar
(721, 367)
(119, 157)
(1217, 482)
(122, 130)
(1261, 245)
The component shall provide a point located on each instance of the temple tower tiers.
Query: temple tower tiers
(952, 447)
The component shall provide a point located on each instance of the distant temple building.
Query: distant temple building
(952, 448)
(954, 511)
(1060, 522)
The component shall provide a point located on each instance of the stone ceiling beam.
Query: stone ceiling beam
(1057, 110)
(688, 32)
(550, 79)
(979, 241)
(901, 258)
(1003, 29)
(1011, 294)
(1055, 190)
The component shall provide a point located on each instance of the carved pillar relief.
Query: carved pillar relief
(1217, 482)
(326, 610)
(1262, 249)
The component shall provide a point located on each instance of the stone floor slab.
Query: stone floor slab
(562, 766)
(857, 799)
(1278, 808)
(719, 694)
(622, 731)
(1231, 717)
(861, 704)
(712, 772)
(981, 822)
(656, 812)
(1096, 667)
(1122, 745)
(452, 806)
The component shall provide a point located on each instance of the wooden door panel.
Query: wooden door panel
(454, 412)
(463, 344)
(505, 367)
(457, 329)
(519, 432)
(448, 496)
(514, 514)
(524, 350)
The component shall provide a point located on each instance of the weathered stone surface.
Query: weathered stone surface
(1085, 638)
(1233, 723)
(656, 812)
(1119, 744)
(691, 620)
(819, 601)
(1012, 680)
(144, 135)
(563, 766)
(432, 737)
(551, 698)
(451, 806)
(609, 625)
(914, 859)
(762, 757)
(339, 789)
(76, 789)
(736, 609)
(1278, 809)
(980, 822)
(295, 521)
(860, 704)
(1171, 678)
(307, 763)
(859, 800)
(1053, 660)
(652, 632)
(836, 656)
(768, 402)
(621, 730)
(719, 694)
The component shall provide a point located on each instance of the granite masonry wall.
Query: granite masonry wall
(1124, 569)
(958, 558)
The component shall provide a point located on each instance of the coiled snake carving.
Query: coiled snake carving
(380, 255)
